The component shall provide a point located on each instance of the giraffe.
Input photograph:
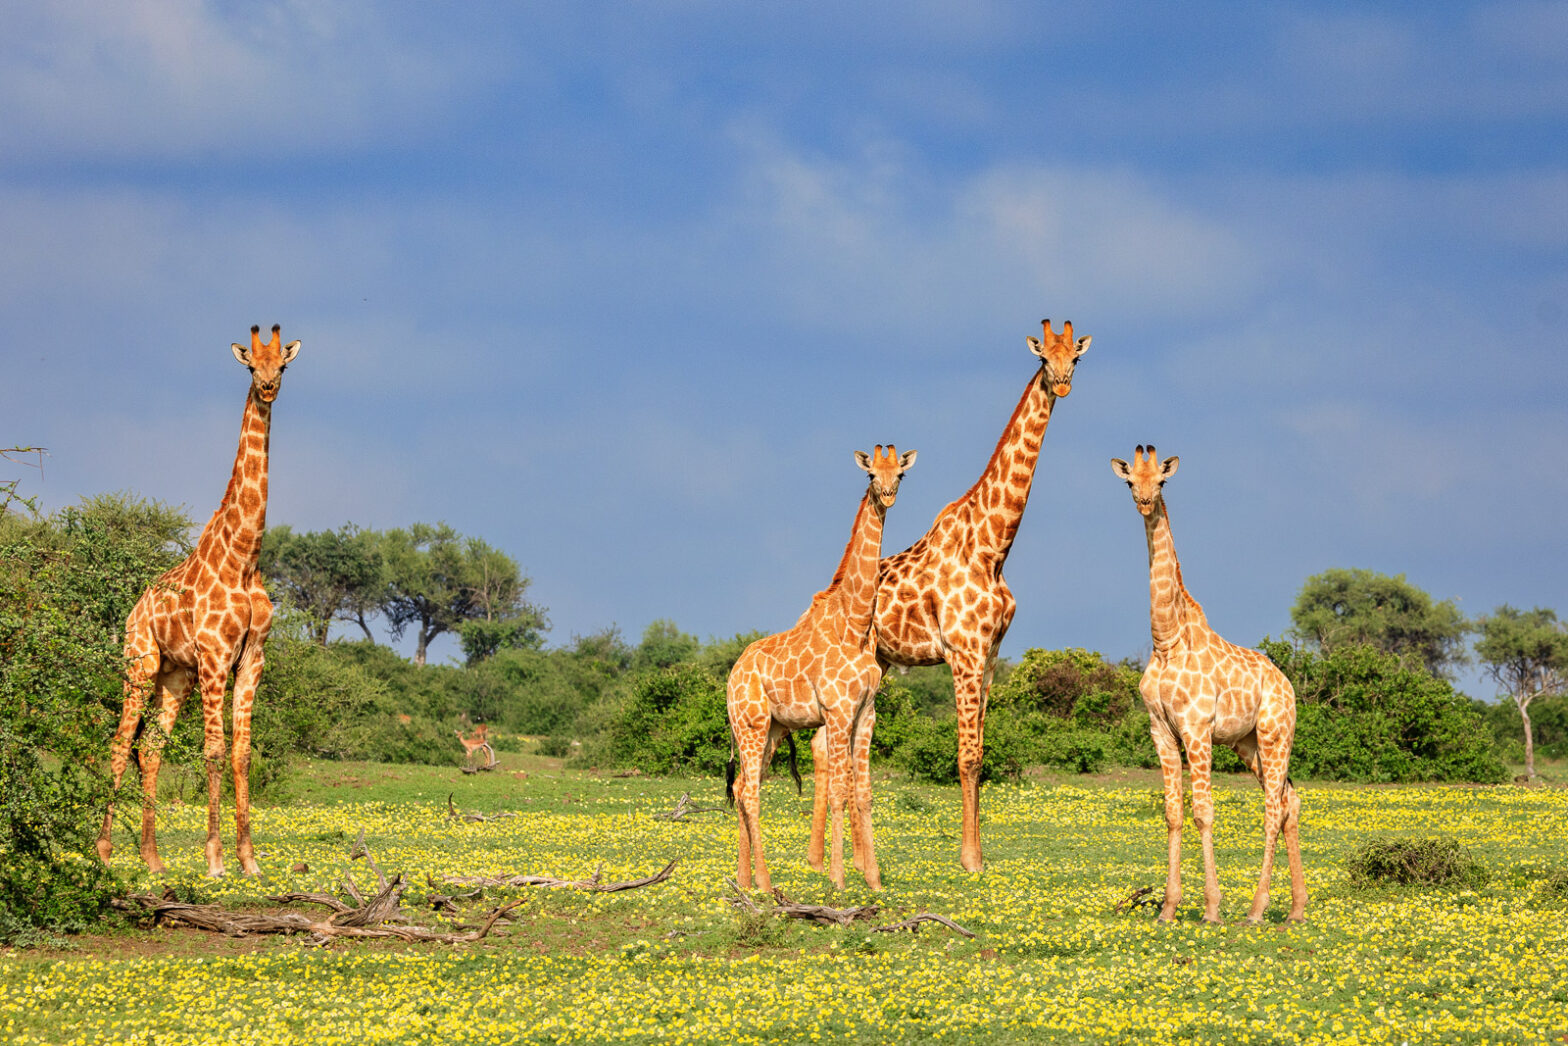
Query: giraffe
(943, 598)
(822, 673)
(1199, 690)
(201, 620)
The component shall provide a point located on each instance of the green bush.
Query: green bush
(931, 751)
(66, 586)
(1415, 862)
(1074, 684)
(1367, 715)
(673, 722)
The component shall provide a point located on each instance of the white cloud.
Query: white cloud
(179, 79)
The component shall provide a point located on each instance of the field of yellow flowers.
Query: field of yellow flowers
(675, 962)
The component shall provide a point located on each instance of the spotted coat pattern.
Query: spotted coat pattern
(1201, 690)
(823, 673)
(943, 598)
(207, 617)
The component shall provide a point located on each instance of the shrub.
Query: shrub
(1367, 715)
(931, 751)
(673, 722)
(1416, 862)
(1074, 684)
(555, 747)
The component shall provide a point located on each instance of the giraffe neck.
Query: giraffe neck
(233, 536)
(1169, 604)
(855, 580)
(997, 500)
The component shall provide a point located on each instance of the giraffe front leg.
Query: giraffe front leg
(969, 697)
(819, 799)
(1200, 757)
(860, 808)
(1170, 772)
(839, 773)
(1247, 750)
(213, 679)
(245, 681)
(138, 682)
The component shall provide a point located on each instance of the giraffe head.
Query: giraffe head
(886, 470)
(1058, 356)
(266, 361)
(1145, 476)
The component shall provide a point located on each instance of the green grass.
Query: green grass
(675, 962)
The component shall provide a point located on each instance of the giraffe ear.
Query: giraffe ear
(289, 352)
(863, 460)
(905, 460)
(1122, 469)
(1082, 347)
(1036, 347)
(1168, 467)
(241, 353)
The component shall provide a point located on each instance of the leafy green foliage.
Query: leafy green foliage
(673, 722)
(1527, 653)
(1367, 715)
(1355, 607)
(327, 575)
(1442, 861)
(66, 586)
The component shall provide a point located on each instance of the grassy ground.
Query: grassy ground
(675, 962)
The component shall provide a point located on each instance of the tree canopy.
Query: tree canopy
(327, 574)
(1526, 651)
(1341, 607)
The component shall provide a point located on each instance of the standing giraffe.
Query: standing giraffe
(943, 598)
(821, 673)
(201, 620)
(1199, 690)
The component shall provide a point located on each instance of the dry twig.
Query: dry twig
(684, 808)
(551, 882)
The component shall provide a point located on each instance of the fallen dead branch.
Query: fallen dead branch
(823, 915)
(363, 918)
(684, 808)
(552, 883)
(454, 814)
(1140, 897)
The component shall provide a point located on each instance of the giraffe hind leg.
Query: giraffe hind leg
(172, 687)
(138, 684)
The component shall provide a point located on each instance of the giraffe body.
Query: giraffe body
(1200, 691)
(202, 620)
(944, 598)
(822, 673)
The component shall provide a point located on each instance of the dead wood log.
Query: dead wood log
(1140, 897)
(684, 808)
(454, 814)
(552, 883)
(912, 924)
(823, 915)
(491, 762)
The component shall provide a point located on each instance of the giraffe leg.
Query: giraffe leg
(1170, 771)
(172, 687)
(751, 726)
(1200, 759)
(860, 807)
(1298, 880)
(819, 799)
(245, 680)
(969, 698)
(838, 730)
(138, 682)
(1247, 749)
(213, 679)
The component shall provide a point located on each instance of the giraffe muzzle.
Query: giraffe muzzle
(1062, 388)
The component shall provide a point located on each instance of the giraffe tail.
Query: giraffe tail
(794, 768)
(729, 776)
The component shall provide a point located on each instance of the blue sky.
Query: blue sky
(619, 287)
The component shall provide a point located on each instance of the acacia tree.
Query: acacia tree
(1340, 607)
(1526, 651)
(328, 574)
(437, 579)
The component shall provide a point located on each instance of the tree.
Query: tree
(437, 579)
(1527, 653)
(663, 645)
(327, 574)
(1340, 607)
